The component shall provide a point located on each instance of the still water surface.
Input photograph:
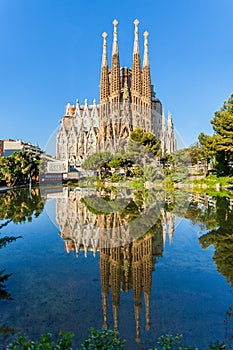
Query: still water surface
(147, 263)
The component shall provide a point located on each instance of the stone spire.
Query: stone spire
(171, 141)
(169, 121)
(115, 86)
(136, 84)
(146, 79)
(104, 55)
(146, 54)
(115, 41)
(104, 81)
(163, 133)
(136, 44)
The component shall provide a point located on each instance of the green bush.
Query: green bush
(103, 340)
(115, 178)
(178, 176)
(64, 342)
(170, 342)
(100, 340)
(97, 339)
(137, 171)
(137, 184)
(152, 174)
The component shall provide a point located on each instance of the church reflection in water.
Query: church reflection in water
(125, 263)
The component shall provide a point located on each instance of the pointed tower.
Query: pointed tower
(163, 134)
(115, 83)
(146, 79)
(171, 142)
(104, 81)
(136, 83)
(95, 115)
(86, 117)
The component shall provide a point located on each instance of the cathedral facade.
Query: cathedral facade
(127, 101)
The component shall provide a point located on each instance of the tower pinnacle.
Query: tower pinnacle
(146, 55)
(104, 81)
(115, 44)
(115, 81)
(146, 80)
(104, 56)
(136, 45)
(136, 83)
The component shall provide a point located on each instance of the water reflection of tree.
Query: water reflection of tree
(216, 215)
(15, 206)
(4, 294)
(222, 238)
(138, 211)
(4, 276)
(20, 206)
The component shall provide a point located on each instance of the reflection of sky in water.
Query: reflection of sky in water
(54, 291)
(50, 209)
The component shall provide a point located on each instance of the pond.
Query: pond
(145, 262)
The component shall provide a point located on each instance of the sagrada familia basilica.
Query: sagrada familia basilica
(127, 101)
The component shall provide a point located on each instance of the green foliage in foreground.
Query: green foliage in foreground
(103, 340)
(64, 342)
(170, 342)
(100, 340)
(97, 339)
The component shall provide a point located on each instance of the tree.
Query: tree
(10, 170)
(194, 152)
(143, 146)
(182, 158)
(19, 168)
(30, 165)
(151, 173)
(223, 126)
(207, 150)
(121, 160)
(147, 139)
(97, 161)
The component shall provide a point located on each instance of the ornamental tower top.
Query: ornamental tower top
(113, 80)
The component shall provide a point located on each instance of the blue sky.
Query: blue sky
(51, 54)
